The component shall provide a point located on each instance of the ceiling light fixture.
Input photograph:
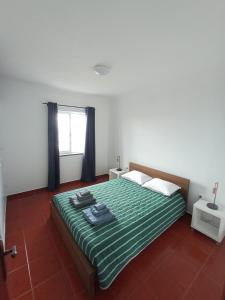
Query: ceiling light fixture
(101, 70)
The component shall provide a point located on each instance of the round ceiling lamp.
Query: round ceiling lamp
(101, 70)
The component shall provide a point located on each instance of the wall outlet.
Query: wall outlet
(200, 196)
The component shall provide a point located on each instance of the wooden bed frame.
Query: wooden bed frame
(180, 181)
(85, 269)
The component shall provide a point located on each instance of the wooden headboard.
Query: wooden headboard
(182, 182)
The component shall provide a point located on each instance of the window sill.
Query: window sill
(70, 154)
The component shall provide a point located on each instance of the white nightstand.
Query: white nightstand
(113, 173)
(208, 221)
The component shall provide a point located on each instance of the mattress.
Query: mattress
(141, 216)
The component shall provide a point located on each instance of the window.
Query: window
(72, 131)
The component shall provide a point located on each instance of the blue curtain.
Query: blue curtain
(88, 166)
(53, 147)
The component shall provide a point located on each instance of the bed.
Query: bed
(100, 253)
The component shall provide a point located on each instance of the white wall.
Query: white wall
(23, 133)
(177, 127)
(2, 191)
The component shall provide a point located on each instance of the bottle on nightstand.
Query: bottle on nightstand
(118, 164)
(214, 191)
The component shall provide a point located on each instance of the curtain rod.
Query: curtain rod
(66, 105)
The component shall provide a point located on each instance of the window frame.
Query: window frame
(70, 112)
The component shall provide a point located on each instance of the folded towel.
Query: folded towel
(100, 206)
(100, 212)
(82, 198)
(72, 198)
(100, 220)
(85, 193)
(78, 204)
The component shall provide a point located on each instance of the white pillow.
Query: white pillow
(161, 186)
(136, 176)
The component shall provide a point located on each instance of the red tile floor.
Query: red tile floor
(181, 264)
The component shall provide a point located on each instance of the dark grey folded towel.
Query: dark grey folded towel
(80, 197)
(78, 204)
(85, 193)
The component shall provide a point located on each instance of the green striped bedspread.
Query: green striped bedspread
(142, 215)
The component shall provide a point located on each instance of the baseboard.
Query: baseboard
(64, 184)
(25, 194)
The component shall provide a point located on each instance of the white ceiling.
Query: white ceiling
(57, 42)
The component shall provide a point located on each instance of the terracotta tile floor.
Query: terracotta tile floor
(181, 264)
